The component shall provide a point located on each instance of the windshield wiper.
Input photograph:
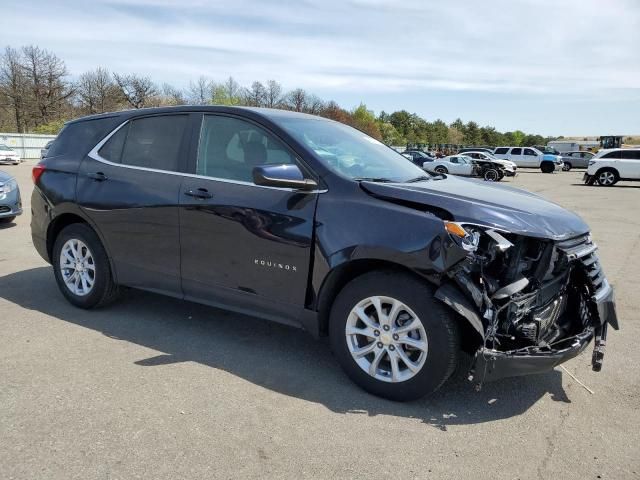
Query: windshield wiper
(373, 179)
(421, 178)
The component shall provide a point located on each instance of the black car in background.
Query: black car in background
(418, 157)
(309, 222)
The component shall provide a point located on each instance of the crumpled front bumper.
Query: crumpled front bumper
(489, 365)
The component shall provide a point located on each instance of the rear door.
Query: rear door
(244, 246)
(629, 164)
(129, 185)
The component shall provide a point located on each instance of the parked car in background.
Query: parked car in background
(418, 157)
(467, 167)
(578, 159)
(610, 166)
(8, 155)
(45, 150)
(510, 168)
(10, 201)
(530, 157)
(475, 149)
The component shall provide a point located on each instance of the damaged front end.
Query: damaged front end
(534, 302)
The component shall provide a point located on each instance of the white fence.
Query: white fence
(27, 145)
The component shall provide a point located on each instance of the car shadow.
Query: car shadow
(5, 225)
(273, 356)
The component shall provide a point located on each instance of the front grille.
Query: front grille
(584, 250)
(4, 209)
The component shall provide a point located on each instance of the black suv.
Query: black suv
(312, 223)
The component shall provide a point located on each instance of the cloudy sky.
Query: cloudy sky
(567, 67)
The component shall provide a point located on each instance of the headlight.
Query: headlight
(592, 162)
(464, 236)
(8, 187)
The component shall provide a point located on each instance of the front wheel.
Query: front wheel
(491, 175)
(547, 167)
(566, 167)
(82, 268)
(392, 337)
(607, 177)
(441, 170)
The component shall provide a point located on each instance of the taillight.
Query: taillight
(37, 172)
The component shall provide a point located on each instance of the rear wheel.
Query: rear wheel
(566, 167)
(81, 267)
(392, 337)
(547, 167)
(607, 177)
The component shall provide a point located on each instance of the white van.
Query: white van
(530, 157)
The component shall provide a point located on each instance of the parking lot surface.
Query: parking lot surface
(153, 387)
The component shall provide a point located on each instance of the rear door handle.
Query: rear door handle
(201, 193)
(97, 176)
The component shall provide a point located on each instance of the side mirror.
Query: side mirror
(283, 176)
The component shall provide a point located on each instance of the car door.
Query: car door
(629, 164)
(129, 187)
(244, 246)
(515, 155)
(530, 158)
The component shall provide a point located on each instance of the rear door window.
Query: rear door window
(150, 142)
(630, 154)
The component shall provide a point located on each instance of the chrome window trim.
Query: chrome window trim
(96, 156)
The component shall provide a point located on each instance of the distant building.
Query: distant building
(573, 145)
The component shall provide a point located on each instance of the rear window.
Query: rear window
(80, 137)
(501, 151)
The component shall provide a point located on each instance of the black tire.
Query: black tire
(491, 175)
(547, 167)
(441, 170)
(566, 166)
(501, 175)
(7, 219)
(438, 321)
(104, 290)
(603, 179)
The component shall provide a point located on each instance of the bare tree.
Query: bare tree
(232, 88)
(14, 86)
(273, 94)
(201, 91)
(314, 105)
(297, 100)
(97, 92)
(172, 95)
(46, 75)
(256, 95)
(139, 92)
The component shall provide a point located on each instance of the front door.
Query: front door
(243, 244)
(530, 158)
(129, 187)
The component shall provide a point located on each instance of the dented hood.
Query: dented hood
(485, 203)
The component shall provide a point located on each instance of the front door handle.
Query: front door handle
(201, 193)
(97, 176)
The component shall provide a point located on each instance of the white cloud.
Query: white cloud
(529, 46)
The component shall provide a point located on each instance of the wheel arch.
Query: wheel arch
(62, 221)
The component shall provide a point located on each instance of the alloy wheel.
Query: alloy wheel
(386, 339)
(606, 178)
(77, 267)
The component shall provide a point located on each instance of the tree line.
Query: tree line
(37, 95)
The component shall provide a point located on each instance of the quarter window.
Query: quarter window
(151, 142)
(230, 148)
(501, 151)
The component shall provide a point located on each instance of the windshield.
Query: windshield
(349, 152)
(4, 147)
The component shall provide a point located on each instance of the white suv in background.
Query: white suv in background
(530, 157)
(612, 165)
